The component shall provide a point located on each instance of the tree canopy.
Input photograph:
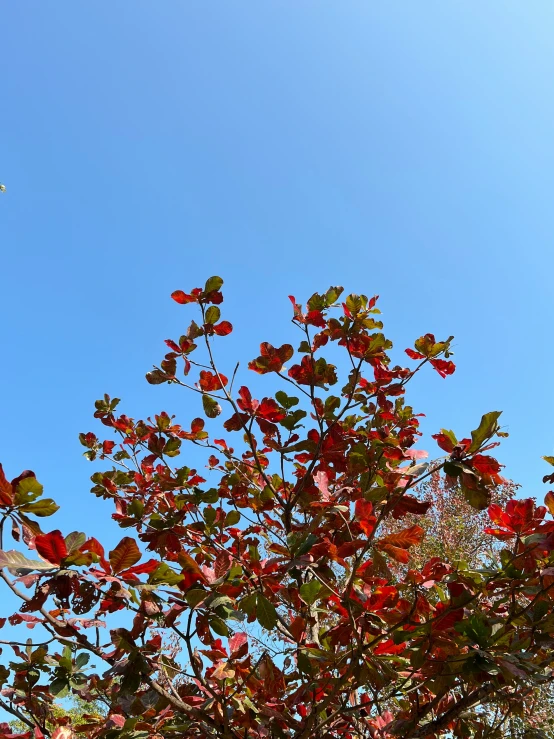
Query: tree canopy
(287, 589)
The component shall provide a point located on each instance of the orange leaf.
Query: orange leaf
(400, 555)
(125, 555)
(405, 538)
(190, 565)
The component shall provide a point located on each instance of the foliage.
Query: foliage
(454, 531)
(294, 586)
(457, 535)
(75, 711)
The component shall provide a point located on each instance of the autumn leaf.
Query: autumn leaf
(210, 382)
(406, 538)
(51, 547)
(271, 359)
(125, 555)
(6, 490)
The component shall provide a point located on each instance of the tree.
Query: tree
(292, 590)
(458, 536)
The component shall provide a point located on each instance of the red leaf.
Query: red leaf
(144, 569)
(271, 359)
(410, 504)
(180, 297)
(313, 372)
(363, 512)
(443, 367)
(393, 452)
(237, 643)
(485, 465)
(125, 555)
(222, 564)
(107, 447)
(173, 346)
(315, 318)
(444, 442)
(94, 546)
(210, 382)
(236, 422)
(6, 490)
(389, 647)
(245, 402)
(383, 596)
(413, 354)
(442, 623)
(271, 411)
(223, 329)
(363, 509)
(191, 569)
(197, 425)
(51, 547)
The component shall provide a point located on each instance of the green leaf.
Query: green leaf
(213, 283)
(452, 470)
(74, 541)
(475, 629)
(59, 687)
(28, 489)
(305, 545)
(41, 508)
(287, 401)
(316, 302)
(487, 427)
(20, 565)
(304, 664)
(210, 496)
(172, 447)
(248, 604)
(479, 499)
(4, 674)
(219, 626)
(163, 574)
(333, 294)
(213, 314)
(291, 421)
(210, 515)
(354, 303)
(195, 596)
(309, 591)
(211, 407)
(332, 403)
(82, 659)
(232, 518)
(266, 613)
(417, 658)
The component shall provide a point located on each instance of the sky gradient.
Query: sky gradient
(404, 149)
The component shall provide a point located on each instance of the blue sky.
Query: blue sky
(403, 149)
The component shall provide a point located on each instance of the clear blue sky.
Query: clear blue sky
(402, 148)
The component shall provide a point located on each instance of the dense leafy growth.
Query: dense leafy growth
(289, 589)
